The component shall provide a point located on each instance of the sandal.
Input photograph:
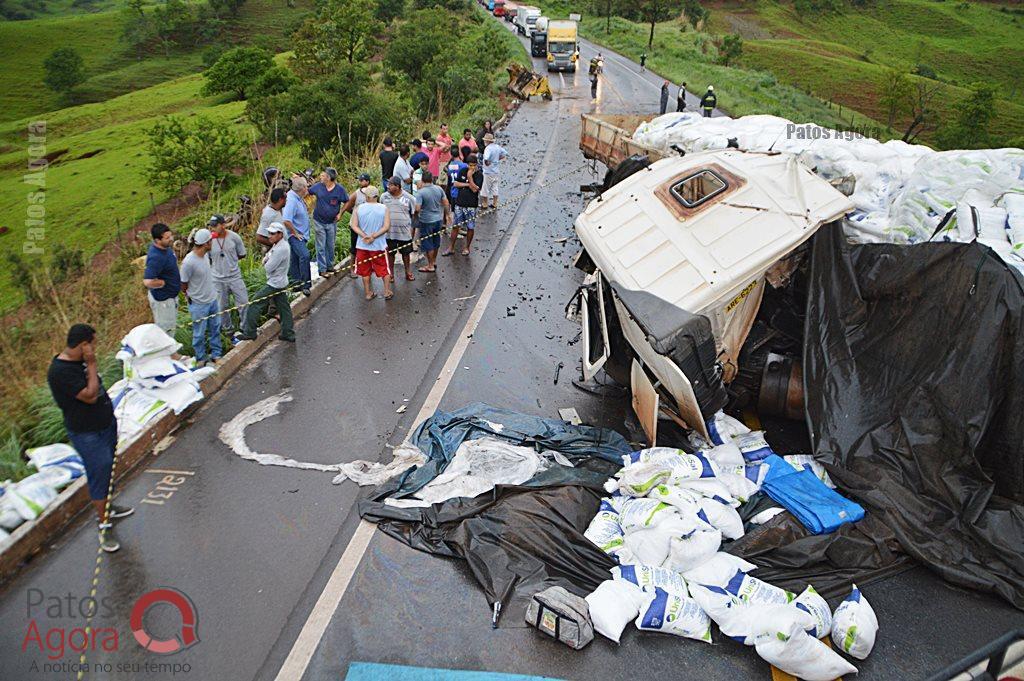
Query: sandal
(427, 269)
(465, 251)
(389, 296)
(409, 276)
(446, 254)
(371, 296)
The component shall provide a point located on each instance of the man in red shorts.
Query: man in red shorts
(371, 222)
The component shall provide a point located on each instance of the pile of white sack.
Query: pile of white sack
(901, 191)
(57, 466)
(153, 382)
(664, 524)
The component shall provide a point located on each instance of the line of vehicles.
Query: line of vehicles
(556, 40)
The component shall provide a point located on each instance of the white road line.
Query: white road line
(312, 632)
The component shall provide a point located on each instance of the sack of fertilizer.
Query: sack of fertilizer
(685, 501)
(31, 496)
(642, 513)
(649, 577)
(794, 651)
(753, 446)
(718, 570)
(687, 552)
(604, 531)
(854, 625)
(637, 479)
(662, 455)
(722, 517)
(650, 545)
(674, 613)
(147, 340)
(811, 602)
(10, 519)
(722, 428)
(57, 477)
(737, 616)
(976, 218)
(613, 605)
(59, 455)
(1013, 202)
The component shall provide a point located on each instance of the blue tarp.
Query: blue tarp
(820, 509)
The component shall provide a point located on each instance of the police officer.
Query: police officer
(709, 101)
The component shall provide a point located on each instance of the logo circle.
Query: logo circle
(185, 638)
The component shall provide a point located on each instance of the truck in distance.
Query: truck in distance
(563, 48)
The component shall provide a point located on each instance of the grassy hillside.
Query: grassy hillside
(682, 55)
(842, 56)
(111, 66)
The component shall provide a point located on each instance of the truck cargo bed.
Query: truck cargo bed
(608, 138)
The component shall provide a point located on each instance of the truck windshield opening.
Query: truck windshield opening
(561, 48)
(698, 188)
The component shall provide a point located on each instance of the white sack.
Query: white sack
(723, 517)
(31, 496)
(613, 605)
(855, 626)
(674, 613)
(686, 553)
(795, 652)
(649, 577)
(718, 570)
(479, 465)
(811, 602)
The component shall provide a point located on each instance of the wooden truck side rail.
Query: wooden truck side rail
(608, 138)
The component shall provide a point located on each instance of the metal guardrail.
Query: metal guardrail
(994, 653)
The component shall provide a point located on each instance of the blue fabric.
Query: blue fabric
(371, 219)
(298, 267)
(161, 264)
(430, 239)
(295, 212)
(371, 671)
(96, 447)
(200, 329)
(329, 202)
(820, 509)
(415, 159)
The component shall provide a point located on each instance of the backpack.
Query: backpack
(562, 616)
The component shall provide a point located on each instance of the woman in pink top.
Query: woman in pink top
(444, 143)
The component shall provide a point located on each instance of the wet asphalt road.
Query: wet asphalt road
(254, 546)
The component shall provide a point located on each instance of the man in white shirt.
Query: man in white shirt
(494, 154)
(275, 263)
(271, 214)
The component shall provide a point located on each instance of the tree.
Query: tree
(895, 93)
(237, 70)
(414, 44)
(730, 49)
(605, 8)
(274, 81)
(342, 29)
(969, 128)
(136, 28)
(653, 11)
(173, 23)
(202, 150)
(922, 115)
(389, 10)
(696, 13)
(353, 23)
(223, 8)
(64, 70)
(341, 113)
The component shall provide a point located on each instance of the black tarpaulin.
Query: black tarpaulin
(517, 540)
(913, 362)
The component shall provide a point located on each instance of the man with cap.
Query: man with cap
(401, 205)
(330, 199)
(296, 221)
(356, 199)
(370, 223)
(226, 249)
(276, 264)
(78, 390)
(494, 154)
(162, 278)
(197, 285)
(709, 101)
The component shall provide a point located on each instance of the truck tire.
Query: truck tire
(627, 167)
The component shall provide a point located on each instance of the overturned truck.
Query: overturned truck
(726, 279)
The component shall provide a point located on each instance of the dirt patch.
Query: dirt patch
(54, 155)
(88, 154)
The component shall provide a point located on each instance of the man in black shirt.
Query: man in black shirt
(89, 419)
(388, 157)
(468, 183)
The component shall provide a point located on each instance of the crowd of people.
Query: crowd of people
(430, 184)
(708, 101)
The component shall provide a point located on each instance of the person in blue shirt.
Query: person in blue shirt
(455, 166)
(296, 221)
(330, 199)
(162, 278)
(417, 154)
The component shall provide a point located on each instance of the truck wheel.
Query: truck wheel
(627, 167)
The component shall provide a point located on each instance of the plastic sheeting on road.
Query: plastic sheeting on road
(912, 360)
(517, 540)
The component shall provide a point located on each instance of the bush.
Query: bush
(201, 150)
(67, 261)
(274, 81)
(344, 112)
(926, 71)
(64, 70)
(237, 70)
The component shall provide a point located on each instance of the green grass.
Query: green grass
(680, 54)
(113, 68)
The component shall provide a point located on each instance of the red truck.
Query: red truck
(499, 8)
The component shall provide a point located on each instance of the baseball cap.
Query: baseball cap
(364, 176)
(371, 192)
(331, 173)
(216, 219)
(202, 236)
(275, 227)
(395, 180)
